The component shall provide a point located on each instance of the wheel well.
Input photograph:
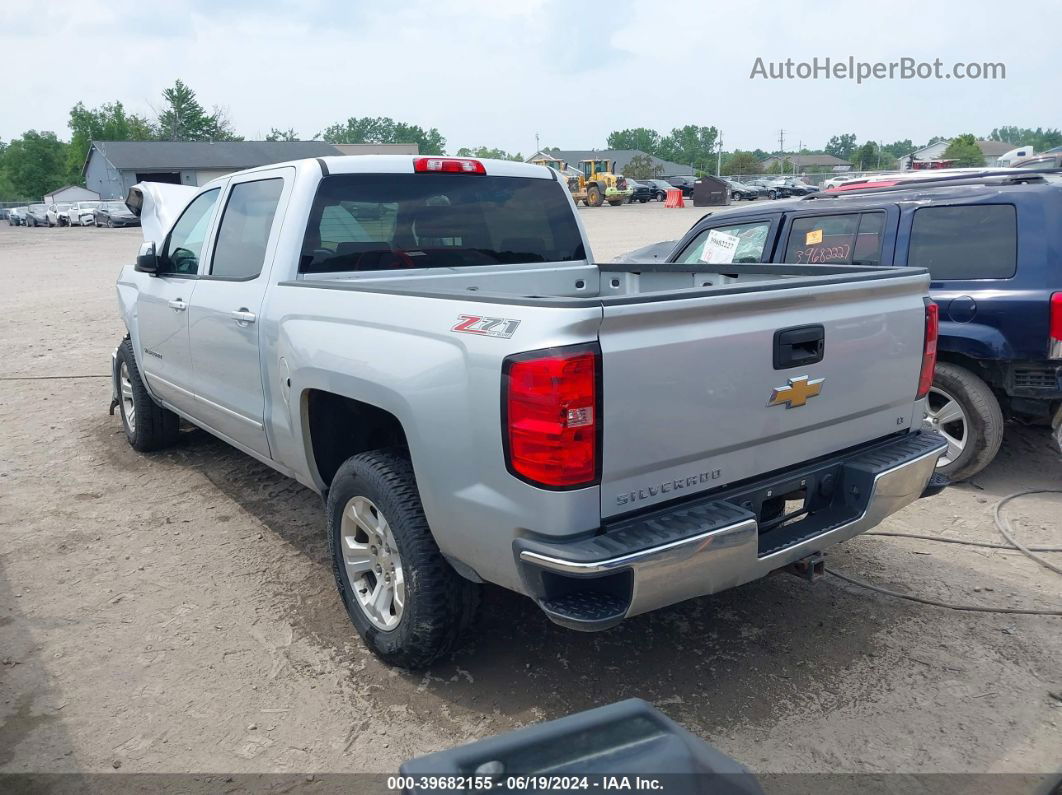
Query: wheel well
(985, 371)
(341, 427)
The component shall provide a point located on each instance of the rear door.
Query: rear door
(224, 327)
(704, 391)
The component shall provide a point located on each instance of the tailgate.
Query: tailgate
(687, 383)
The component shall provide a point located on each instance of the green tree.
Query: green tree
(641, 138)
(741, 163)
(865, 157)
(642, 167)
(7, 190)
(898, 149)
(690, 144)
(1039, 139)
(184, 119)
(282, 135)
(108, 122)
(382, 130)
(34, 164)
(490, 154)
(841, 146)
(964, 150)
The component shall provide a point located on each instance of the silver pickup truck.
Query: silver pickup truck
(428, 343)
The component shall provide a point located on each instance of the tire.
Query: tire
(438, 604)
(772, 194)
(594, 197)
(974, 438)
(147, 425)
(110, 223)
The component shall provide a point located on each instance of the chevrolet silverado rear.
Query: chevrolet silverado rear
(429, 343)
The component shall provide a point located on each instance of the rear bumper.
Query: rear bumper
(716, 542)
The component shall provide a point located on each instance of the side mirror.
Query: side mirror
(147, 260)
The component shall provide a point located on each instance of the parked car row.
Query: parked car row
(646, 190)
(86, 213)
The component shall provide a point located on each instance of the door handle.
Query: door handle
(178, 305)
(244, 316)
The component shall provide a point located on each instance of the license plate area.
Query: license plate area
(792, 510)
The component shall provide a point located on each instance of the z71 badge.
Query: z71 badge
(486, 326)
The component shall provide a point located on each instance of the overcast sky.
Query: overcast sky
(495, 73)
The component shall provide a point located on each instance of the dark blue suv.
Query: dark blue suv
(993, 246)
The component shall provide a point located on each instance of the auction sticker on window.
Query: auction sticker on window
(813, 237)
(719, 248)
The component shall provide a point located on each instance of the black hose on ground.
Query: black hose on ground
(1012, 544)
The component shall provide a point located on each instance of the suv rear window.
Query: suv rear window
(370, 222)
(976, 241)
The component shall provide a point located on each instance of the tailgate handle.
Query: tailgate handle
(798, 346)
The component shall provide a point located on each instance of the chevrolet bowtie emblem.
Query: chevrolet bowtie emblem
(796, 393)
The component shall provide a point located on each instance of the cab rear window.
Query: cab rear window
(976, 241)
(370, 222)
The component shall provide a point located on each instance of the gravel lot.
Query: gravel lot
(176, 612)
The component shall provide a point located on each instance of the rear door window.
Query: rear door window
(977, 241)
(842, 239)
(243, 233)
(366, 222)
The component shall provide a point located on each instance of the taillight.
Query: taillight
(1055, 347)
(551, 422)
(929, 349)
(448, 165)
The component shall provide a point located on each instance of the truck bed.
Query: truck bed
(582, 284)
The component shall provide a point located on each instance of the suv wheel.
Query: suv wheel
(406, 601)
(962, 408)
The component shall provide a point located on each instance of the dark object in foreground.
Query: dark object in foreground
(630, 739)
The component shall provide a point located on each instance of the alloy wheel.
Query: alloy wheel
(372, 563)
(128, 406)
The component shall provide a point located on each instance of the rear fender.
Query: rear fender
(973, 340)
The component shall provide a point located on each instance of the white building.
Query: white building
(71, 193)
(992, 150)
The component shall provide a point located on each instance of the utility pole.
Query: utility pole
(719, 158)
(781, 148)
(537, 145)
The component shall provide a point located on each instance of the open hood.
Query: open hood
(158, 205)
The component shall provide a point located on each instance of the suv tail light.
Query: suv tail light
(1055, 346)
(929, 349)
(551, 418)
(448, 165)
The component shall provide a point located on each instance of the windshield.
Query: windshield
(87, 205)
(37, 207)
(113, 206)
(63, 206)
(369, 222)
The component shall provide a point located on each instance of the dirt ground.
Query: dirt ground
(176, 612)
